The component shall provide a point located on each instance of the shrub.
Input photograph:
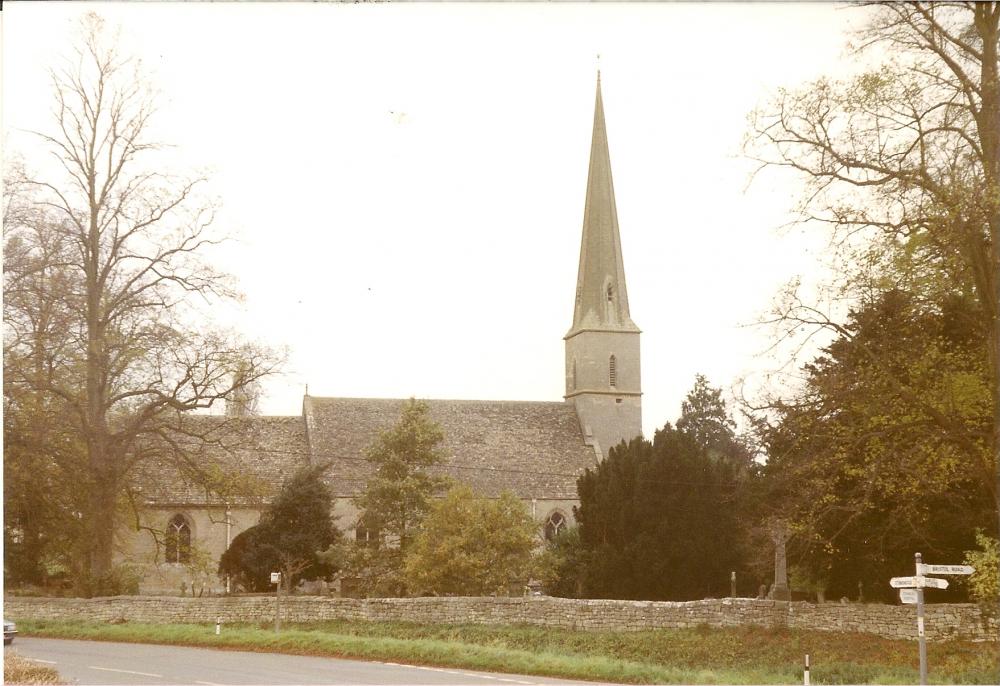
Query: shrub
(984, 584)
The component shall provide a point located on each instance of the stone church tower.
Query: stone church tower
(602, 346)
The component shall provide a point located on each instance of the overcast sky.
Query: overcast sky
(405, 182)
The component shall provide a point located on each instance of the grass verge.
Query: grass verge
(744, 655)
(19, 670)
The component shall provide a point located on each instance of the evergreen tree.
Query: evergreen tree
(293, 532)
(705, 419)
(397, 497)
(658, 520)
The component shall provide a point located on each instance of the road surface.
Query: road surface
(98, 662)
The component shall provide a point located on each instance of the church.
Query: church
(536, 450)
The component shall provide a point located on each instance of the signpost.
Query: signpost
(912, 592)
(276, 579)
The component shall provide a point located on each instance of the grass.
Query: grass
(744, 655)
(19, 670)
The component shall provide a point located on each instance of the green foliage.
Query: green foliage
(103, 262)
(42, 467)
(984, 584)
(397, 498)
(886, 449)
(897, 431)
(705, 419)
(470, 545)
(293, 532)
(119, 580)
(659, 520)
(562, 564)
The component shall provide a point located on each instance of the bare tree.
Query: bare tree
(907, 156)
(128, 346)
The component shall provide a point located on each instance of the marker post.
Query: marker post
(276, 579)
(921, 636)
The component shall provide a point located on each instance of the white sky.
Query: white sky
(406, 181)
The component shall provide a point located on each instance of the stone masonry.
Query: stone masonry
(964, 621)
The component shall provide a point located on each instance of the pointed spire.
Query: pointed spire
(601, 295)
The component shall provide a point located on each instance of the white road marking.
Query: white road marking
(124, 671)
(208, 683)
(44, 662)
(451, 671)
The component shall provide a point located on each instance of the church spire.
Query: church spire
(603, 376)
(601, 295)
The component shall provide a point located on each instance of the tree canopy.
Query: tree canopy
(104, 277)
(866, 472)
(294, 531)
(658, 520)
(397, 497)
(902, 162)
(470, 545)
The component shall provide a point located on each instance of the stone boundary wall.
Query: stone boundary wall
(964, 621)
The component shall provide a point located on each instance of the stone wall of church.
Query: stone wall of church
(209, 535)
(891, 621)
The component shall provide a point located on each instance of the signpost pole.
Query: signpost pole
(921, 637)
(277, 606)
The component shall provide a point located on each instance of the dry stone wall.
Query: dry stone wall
(943, 621)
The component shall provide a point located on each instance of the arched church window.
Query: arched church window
(365, 536)
(554, 524)
(613, 371)
(178, 540)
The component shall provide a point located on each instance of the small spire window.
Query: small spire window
(613, 371)
(611, 293)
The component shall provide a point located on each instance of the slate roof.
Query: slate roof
(533, 449)
(259, 451)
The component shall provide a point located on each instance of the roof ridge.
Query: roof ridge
(440, 400)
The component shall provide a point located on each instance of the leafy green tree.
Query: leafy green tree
(867, 469)
(469, 545)
(902, 161)
(397, 497)
(293, 532)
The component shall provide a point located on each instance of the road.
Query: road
(97, 662)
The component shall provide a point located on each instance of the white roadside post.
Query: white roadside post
(805, 673)
(276, 579)
(912, 592)
(921, 637)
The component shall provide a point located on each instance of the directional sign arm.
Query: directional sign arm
(944, 569)
(917, 582)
